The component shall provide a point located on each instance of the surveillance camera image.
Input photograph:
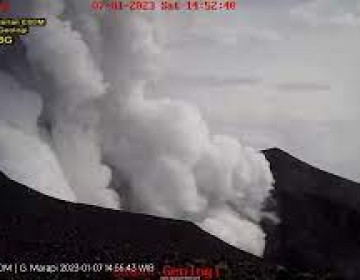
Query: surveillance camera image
(179, 139)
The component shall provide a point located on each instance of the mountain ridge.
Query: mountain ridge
(38, 228)
(319, 218)
(35, 228)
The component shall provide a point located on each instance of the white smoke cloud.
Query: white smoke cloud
(237, 231)
(23, 155)
(99, 113)
(28, 160)
(167, 188)
(21, 108)
(64, 56)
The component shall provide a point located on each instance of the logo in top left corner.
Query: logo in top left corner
(5, 7)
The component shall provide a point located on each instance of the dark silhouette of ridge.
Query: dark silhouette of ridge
(319, 213)
(35, 228)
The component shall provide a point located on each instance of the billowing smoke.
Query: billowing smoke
(24, 156)
(88, 132)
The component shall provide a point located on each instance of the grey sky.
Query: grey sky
(275, 73)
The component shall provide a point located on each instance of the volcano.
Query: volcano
(320, 218)
(319, 214)
(37, 229)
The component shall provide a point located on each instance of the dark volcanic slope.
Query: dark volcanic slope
(37, 229)
(320, 218)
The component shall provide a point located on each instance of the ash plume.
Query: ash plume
(106, 143)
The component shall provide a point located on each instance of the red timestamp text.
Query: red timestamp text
(165, 5)
(211, 5)
(4, 7)
(124, 5)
